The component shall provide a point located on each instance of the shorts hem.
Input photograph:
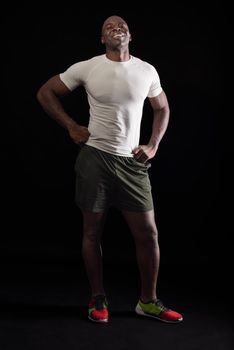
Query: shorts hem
(101, 210)
(139, 210)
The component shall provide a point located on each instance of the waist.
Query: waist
(124, 150)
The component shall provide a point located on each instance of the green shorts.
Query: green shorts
(104, 180)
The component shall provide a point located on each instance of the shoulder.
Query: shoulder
(144, 65)
(91, 61)
(85, 63)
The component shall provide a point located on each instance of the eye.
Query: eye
(123, 25)
(108, 27)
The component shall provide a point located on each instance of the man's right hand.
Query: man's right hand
(79, 134)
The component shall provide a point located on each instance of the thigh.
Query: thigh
(93, 181)
(93, 224)
(133, 191)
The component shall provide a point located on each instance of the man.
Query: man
(112, 168)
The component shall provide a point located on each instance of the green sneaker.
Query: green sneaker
(157, 310)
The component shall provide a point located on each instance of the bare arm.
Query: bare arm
(160, 122)
(49, 98)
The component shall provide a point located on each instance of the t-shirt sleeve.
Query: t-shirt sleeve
(155, 88)
(72, 77)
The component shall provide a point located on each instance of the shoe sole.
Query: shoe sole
(97, 321)
(140, 312)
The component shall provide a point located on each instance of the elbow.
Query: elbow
(39, 95)
(43, 94)
(168, 110)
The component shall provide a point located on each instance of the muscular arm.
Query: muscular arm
(160, 122)
(49, 97)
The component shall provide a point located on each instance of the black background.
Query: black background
(44, 290)
(185, 44)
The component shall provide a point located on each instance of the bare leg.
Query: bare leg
(91, 249)
(144, 230)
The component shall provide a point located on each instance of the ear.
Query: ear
(130, 37)
(102, 39)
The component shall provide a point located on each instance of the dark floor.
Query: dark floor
(44, 306)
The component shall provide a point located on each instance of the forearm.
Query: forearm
(53, 107)
(159, 127)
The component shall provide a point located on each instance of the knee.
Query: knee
(148, 236)
(90, 237)
(152, 236)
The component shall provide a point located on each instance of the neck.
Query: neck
(118, 56)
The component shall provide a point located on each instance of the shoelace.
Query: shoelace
(160, 304)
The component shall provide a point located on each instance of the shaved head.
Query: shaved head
(111, 19)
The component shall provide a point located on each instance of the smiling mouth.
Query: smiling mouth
(119, 35)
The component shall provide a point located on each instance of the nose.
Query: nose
(117, 29)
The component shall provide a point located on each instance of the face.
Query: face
(115, 32)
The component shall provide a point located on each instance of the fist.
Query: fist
(79, 134)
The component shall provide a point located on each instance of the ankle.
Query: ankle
(96, 294)
(146, 300)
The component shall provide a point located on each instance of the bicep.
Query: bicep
(159, 102)
(56, 85)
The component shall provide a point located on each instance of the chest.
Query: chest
(117, 84)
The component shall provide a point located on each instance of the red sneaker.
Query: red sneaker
(98, 311)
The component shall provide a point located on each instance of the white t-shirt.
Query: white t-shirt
(116, 92)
